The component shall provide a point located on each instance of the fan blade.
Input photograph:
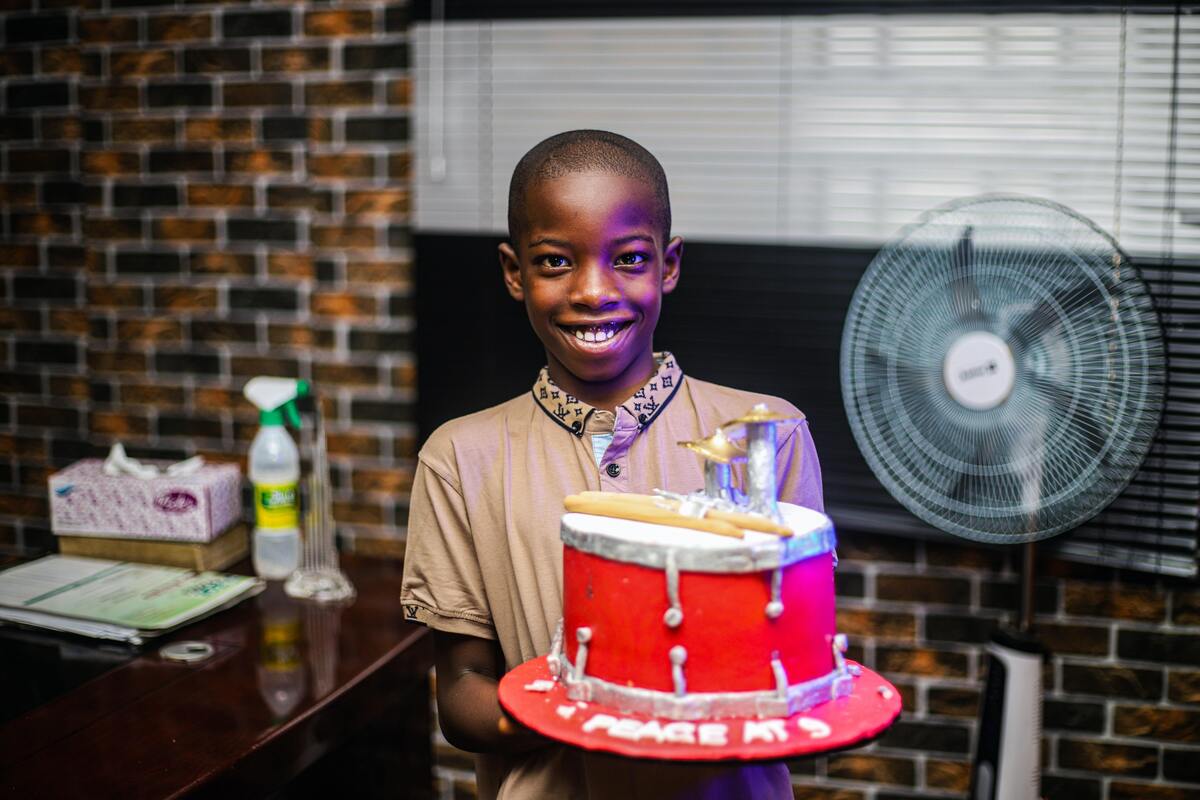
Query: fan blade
(1079, 415)
(967, 304)
(1045, 315)
(984, 448)
(905, 371)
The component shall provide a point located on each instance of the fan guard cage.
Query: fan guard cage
(1087, 379)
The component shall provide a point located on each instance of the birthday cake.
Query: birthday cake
(700, 627)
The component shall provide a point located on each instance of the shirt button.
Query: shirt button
(613, 470)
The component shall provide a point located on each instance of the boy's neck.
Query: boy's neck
(609, 394)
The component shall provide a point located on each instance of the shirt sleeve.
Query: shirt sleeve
(443, 585)
(799, 471)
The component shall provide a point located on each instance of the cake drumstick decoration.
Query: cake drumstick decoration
(696, 627)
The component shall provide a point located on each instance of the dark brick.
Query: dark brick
(56, 287)
(176, 95)
(15, 62)
(142, 263)
(109, 97)
(1181, 765)
(395, 18)
(953, 702)
(48, 352)
(1005, 595)
(177, 425)
(953, 628)
(923, 589)
(327, 270)
(145, 195)
(392, 55)
(1055, 787)
(283, 231)
(62, 192)
(1185, 610)
(1073, 716)
(377, 129)
(258, 162)
(1170, 648)
(940, 737)
(401, 305)
(38, 28)
(380, 341)
(256, 24)
(857, 622)
(257, 93)
(1108, 758)
(108, 28)
(260, 299)
(1138, 684)
(363, 410)
(181, 161)
(43, 94)
(47, 416)
(41, 159)
(216, 59)
(285, 128)
(191, 361)
(15, 128)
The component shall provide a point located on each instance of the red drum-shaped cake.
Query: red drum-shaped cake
(687, 625)
(701, 626)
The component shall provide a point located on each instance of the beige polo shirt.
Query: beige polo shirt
(484, 557)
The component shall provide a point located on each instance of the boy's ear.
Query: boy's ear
(672, 257)
(510, 266)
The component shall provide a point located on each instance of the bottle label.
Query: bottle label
(275, 505)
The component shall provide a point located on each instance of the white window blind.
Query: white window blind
(833, 129)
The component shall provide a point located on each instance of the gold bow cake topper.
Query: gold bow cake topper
(720, 507)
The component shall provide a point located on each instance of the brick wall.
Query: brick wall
(195, 194)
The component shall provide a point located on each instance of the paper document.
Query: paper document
(114, 599)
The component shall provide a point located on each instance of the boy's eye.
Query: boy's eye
(631, 259)
(553, 261)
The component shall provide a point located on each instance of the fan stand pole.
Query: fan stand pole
(1025, 622)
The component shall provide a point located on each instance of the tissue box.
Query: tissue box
(196, 508)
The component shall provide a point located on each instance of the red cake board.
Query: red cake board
(866, 712)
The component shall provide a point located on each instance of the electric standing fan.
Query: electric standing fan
(1003, 372)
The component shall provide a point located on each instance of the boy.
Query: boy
(589, 255)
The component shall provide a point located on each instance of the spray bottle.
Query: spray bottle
(275, 473)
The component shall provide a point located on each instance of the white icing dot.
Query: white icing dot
(565, 711)
(540, 685)
(885, 692)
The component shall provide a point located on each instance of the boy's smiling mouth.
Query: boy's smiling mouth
(596, 333)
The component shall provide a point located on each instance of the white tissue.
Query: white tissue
(119, 463)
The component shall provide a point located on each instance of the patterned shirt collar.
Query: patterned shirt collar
(645, 405)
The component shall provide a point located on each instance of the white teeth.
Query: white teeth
(596, 335)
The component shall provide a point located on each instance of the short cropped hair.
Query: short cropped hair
(586, 151)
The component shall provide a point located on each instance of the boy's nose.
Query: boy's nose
(594, 287)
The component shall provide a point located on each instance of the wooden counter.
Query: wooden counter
(299, 700)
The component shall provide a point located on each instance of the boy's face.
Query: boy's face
(591, 266)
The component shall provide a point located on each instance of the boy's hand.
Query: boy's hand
(468, 705)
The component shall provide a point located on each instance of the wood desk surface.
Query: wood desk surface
(289, 682)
